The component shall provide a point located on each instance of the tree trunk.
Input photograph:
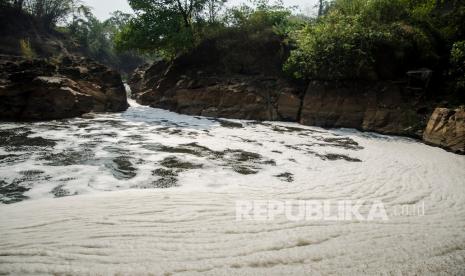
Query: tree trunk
(184, 14)
(320, 8)
(19, 4)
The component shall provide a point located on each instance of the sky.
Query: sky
(103, 8)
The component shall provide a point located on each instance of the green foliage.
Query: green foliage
(452, 20)
(167, 27)
(291, 24)
(323, 6)
(177, 26)
(150, 34)
(421, 9)
(458, 64)
(264, 15)
(47, 12)
(26, 49)
(328, 50)
(96, 38)
(357, 38)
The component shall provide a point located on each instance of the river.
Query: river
(151, 191)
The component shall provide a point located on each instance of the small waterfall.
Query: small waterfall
(128, 90)
(131, 101)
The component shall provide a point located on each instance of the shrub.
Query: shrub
(333, 49)
(458, 64)
(360, 39)
(263, 17)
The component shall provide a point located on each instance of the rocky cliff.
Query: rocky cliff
(242, 78)
(383, 107)
(42, 89)
(215, 81)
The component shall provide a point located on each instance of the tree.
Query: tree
(457, 61)
(261, 16)
(213, 9)
(321, 7)
(360, 39)
(96, 38)
(16, 4)
(166, 26)
(156, 8)
(50, 12)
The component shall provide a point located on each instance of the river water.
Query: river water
(134, 188)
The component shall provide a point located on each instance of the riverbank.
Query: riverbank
(114, 213)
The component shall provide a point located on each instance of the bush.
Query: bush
(333, 49)
(360, 39)
(263, 16)
(49, 12)
(163, 32)
(458, 64)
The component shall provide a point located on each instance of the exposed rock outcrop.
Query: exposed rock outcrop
(254, 98)
(189, 86)
(383, 107)
(446, 128)
(41, 89)
(241, 78)
(212, 80)
(139, 79)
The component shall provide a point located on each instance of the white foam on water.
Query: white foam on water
(125, 225)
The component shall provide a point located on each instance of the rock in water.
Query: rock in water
(42, 89)
(446, 128)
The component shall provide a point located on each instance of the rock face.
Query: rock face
(446, 128)
(42, 90)
(246, 83)
(241, 78)
(190, 86)
(136, 81)
(237, 97)
(382, 107)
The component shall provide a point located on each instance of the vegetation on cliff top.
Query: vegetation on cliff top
(96, 38)
(50, 28)
(360, 39)
(48, 12)
(349, 39)
(173, 27)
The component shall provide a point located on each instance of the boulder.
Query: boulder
(42, 90)
(446, 128)
(54, 96)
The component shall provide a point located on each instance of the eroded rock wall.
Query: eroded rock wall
(213, 80)
(41, 89)
(384, 107)
(247, 83)
(234, 97)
